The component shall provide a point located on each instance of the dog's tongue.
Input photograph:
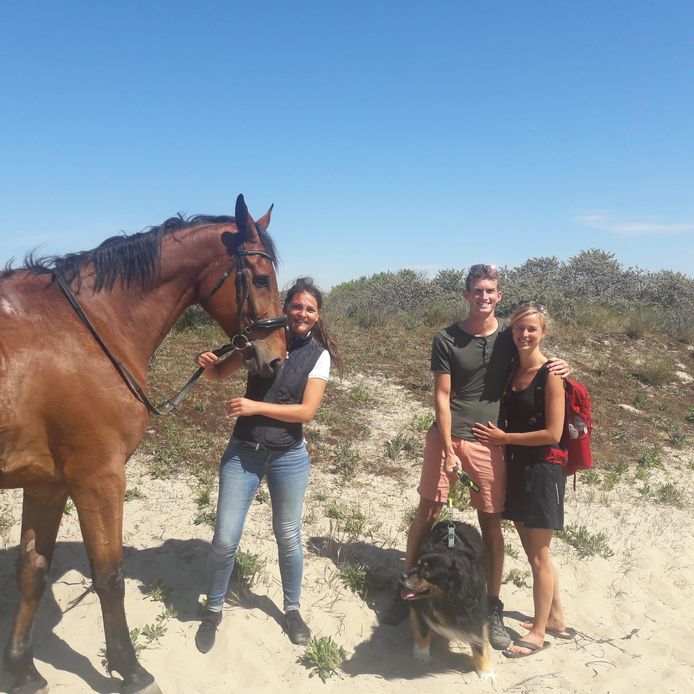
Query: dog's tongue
(407, 594)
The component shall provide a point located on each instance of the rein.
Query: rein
(239, 341)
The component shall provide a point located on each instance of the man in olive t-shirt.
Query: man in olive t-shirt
(477, 366)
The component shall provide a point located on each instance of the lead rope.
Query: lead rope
(164, 408)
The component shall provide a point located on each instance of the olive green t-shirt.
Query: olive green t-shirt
(478, 367)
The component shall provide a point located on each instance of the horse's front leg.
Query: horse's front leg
(41, 514)
(98, 497)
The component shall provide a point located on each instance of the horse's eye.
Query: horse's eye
(262, 281)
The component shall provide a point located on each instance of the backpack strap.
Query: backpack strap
(540, 383)
(551, 454)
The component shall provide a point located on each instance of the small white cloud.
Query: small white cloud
(633, 227)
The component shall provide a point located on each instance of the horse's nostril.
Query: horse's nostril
(275, 365)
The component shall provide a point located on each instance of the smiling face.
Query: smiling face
(528, 331)
(302, 314)
(483, 296)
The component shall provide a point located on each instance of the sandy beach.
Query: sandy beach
(630, 609)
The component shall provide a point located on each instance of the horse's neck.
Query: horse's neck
(139, 317)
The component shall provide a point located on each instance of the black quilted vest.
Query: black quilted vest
(287, 388)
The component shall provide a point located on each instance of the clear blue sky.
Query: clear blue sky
(388, 134)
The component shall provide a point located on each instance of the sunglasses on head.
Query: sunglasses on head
(481, 268)
(523, 303)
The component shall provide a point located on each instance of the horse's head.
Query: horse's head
(247, 304)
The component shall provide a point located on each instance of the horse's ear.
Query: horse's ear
(264, 221)
(244, 221)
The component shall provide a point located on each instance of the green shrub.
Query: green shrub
(262, 495)
(250, 565)
(354, 576)
(336, 510)
(518, 578)
(153, 632)
(193, 318)
(640, 321)
(422, 422)
(611, 480)
(203, 498)
(345, 461)
(651, 459)
(355, 523)
(640, 401)
(592, 289)
(359, 395)
(401, 443)
(133, 493)
(324, 657)
(642, 473)
(5, 523)
(669, 494)
(206, 518)
(656, 372)
(158, 592)
(676, 435)
(590, 477)
(585, 543)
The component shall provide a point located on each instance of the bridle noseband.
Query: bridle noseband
(239, 341)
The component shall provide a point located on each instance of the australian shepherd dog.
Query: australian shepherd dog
(447, 593)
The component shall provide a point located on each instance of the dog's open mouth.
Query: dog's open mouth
(410, 594)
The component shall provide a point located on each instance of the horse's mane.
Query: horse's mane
(130, 258)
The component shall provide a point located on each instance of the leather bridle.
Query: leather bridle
(239, 341)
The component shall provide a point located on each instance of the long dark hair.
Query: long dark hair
(320, 331)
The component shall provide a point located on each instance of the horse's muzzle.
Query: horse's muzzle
(260, 361)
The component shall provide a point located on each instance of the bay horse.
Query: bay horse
(70, 418)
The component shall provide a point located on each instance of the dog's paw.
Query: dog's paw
(421, 654)
(488, 676)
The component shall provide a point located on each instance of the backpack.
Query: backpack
(573, 452)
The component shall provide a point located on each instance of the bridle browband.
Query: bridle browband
(239, 341)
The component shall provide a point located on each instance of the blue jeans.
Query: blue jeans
(241, 470)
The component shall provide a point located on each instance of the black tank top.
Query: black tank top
(522, 414)
(521, 409)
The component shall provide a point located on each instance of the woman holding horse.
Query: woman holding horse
(533, 405)
(268, 441)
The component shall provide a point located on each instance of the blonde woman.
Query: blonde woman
(535, 487)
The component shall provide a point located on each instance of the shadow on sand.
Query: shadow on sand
(387, 652)
(180, 564)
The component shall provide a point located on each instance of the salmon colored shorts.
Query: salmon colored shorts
(484, 464)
